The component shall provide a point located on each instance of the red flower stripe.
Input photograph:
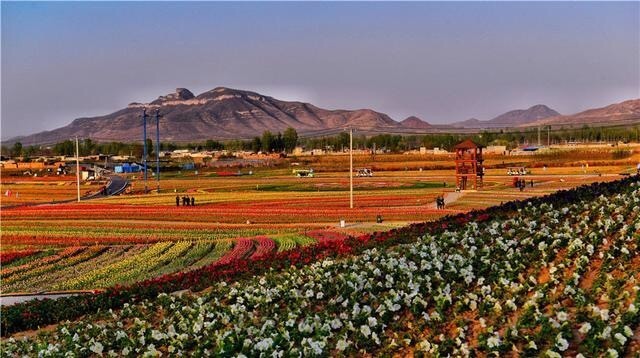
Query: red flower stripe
(265, 246)
(10, 256)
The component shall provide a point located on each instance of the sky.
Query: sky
(440, 61)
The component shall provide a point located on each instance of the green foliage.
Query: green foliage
(290, 139)
(16, 151)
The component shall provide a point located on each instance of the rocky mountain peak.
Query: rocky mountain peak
(181, 94)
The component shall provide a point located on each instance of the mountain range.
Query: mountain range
(511, 119)
(627, 112)
(224, 113)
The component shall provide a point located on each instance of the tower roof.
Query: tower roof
(468, 144)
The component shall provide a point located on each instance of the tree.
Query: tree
(290, 139)
(30, 151)
(16, 151)
(87, 147)
(213, 145)
(256, 144)
(267, 141)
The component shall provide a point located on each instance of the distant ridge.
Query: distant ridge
(513, 118)
(415, 122)
(613, 114)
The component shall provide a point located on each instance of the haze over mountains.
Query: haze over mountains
(225, 113)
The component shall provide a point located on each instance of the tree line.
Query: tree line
(286, 142)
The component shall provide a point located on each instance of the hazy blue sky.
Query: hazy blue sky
(440, 61)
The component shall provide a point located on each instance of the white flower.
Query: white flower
(585, 328)
(96, 348)
(264, 344)
(151, 351)
(424, 346)
(341, 345)
(620, 338)
(372, 322)
(532, 345)
(125, 351)
(375, 338)
(561, 343)
(365, 330)
(493, 341)
(552, 354)
(627, 331)
(612, 353)
(157, 335)
(562, 316)
(336, 324)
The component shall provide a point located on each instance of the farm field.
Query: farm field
(21, 190)
(550, 276)
(94, 244)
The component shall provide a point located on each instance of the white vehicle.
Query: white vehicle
(364, 172)
(517, 171)
(303, 173)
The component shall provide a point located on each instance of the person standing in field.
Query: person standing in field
(177, 200)
(193, 201)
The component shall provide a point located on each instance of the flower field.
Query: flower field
(102, 266)
(121, 232)
(552, 276)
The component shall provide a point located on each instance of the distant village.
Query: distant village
(94, 167)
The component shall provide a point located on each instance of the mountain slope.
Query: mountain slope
(221, 113)
(512, 118)
(617, 113)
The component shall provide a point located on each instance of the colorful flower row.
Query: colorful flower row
(264, 246)
(11, 256)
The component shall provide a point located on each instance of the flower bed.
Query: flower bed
(452, 290)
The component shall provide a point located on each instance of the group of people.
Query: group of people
(521, 183)
(440, 202)
(186, 200)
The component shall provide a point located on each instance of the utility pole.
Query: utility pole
(548, 136)
(144, 146)
(158, 149)
(539, 142)
(78, 167)
(351, 168)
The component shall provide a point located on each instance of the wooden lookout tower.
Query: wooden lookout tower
(469, 169)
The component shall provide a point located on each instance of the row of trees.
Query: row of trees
(289, 139)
